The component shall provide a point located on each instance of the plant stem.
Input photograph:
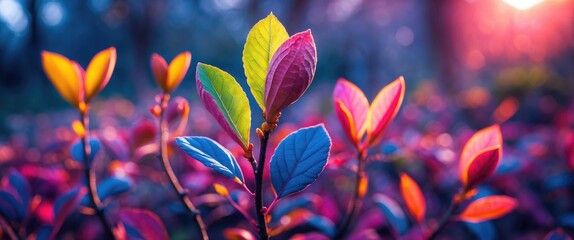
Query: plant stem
(259, 208)
(181, 193)
(9, 229)
(447, 215)
(90, 177)
(356, 202)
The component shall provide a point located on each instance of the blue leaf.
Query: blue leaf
(557, 234)
(43, 233)
(393, 213)
(112, 187)
(482, 230)
(566, 220)
(77, 150)
(65, 205)
(323, 224)
(286, 207)
(20, 185)
(11, 207)
(109, 187)
(212, 155)
(299, 159)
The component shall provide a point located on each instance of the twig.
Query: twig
(259, 208)
(90, 177)
(457, 198)
(181, 193)
(9, 229)
(356, 202)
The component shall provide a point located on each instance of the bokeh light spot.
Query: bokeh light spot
(522, 4)
(405, 36)
(52, 13)
(475, 59)
(13, 15)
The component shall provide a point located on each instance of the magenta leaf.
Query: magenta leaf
(142, 224)
(290, 73)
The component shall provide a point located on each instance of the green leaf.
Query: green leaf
(262, 42)
(224, 98)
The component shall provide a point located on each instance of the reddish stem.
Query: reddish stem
(90, 177)
(181, 193)
(356, 203)
(259, 208)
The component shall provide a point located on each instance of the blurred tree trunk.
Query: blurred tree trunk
(439, 20)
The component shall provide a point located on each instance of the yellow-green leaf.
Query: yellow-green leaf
(224, 98)
(262, 42)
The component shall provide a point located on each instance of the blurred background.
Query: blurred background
(467, 64)
(475, 51)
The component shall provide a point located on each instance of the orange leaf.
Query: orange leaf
(221, 190)
(159, 70)
(346, 121)
(65, 75)
(488, 208)
(506, 109)
(177, 70)
(99, 72)
(363, 185)
(413, 197)
(384, 109)
(353, 99)
(486, 139)
(79, 128)
(238, 234)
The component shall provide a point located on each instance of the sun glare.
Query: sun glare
(522, 4)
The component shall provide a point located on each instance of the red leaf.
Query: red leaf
(143, 223)
(159, 70)
(144, 132)
(290, 73)
(479, 147)
(349, 98)
(482, 167)
(177, 115)
(488, 208)
(413, 197)
(384, 109)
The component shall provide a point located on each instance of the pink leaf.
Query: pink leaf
(290, 73)
(485, 139)
(347, 96)
(384, 109)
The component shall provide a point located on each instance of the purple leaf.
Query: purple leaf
(290, 73)
(142, 224)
